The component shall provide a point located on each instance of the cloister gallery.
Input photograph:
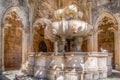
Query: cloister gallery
(60, 39)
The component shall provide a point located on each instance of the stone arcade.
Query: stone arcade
(60, 39)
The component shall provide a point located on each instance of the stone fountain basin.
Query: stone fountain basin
(68, 29)
(74, 64)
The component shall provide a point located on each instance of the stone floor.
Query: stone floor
(115, 75)
(10, 75)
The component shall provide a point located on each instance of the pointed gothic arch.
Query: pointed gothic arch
(39, 36)
(42, 47)
(14, 25)
(107, 23)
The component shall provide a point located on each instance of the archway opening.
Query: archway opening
(40, 44)
(12, 31)
(42, 47)
(106, 35)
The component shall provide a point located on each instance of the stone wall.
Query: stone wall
(112, 8)
(39, 9)
(4, 6)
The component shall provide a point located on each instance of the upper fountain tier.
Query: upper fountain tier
(68, 24)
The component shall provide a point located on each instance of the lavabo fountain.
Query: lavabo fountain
(67, 27)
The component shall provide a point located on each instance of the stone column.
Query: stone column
(30, 45)
(2, 48)
(78, 44)
(90, 43)
(117, 50)
(24, 49)
(55, 47)
(62, 45)
(90, 11)
(93, 43)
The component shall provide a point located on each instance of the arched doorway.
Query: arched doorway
(107, 28)
(42, 47)
(13, 39)
(40, 44)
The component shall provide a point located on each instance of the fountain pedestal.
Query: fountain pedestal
(80, 66)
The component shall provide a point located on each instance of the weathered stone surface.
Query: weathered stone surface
(44, 8)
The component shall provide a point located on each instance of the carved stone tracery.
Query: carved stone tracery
(38, 36)
(106, 34)
(12, 40)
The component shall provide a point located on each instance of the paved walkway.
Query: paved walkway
(10, 75)
(115, 75)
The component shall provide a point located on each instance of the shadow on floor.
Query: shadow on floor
(115, 75)
(3, 77)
